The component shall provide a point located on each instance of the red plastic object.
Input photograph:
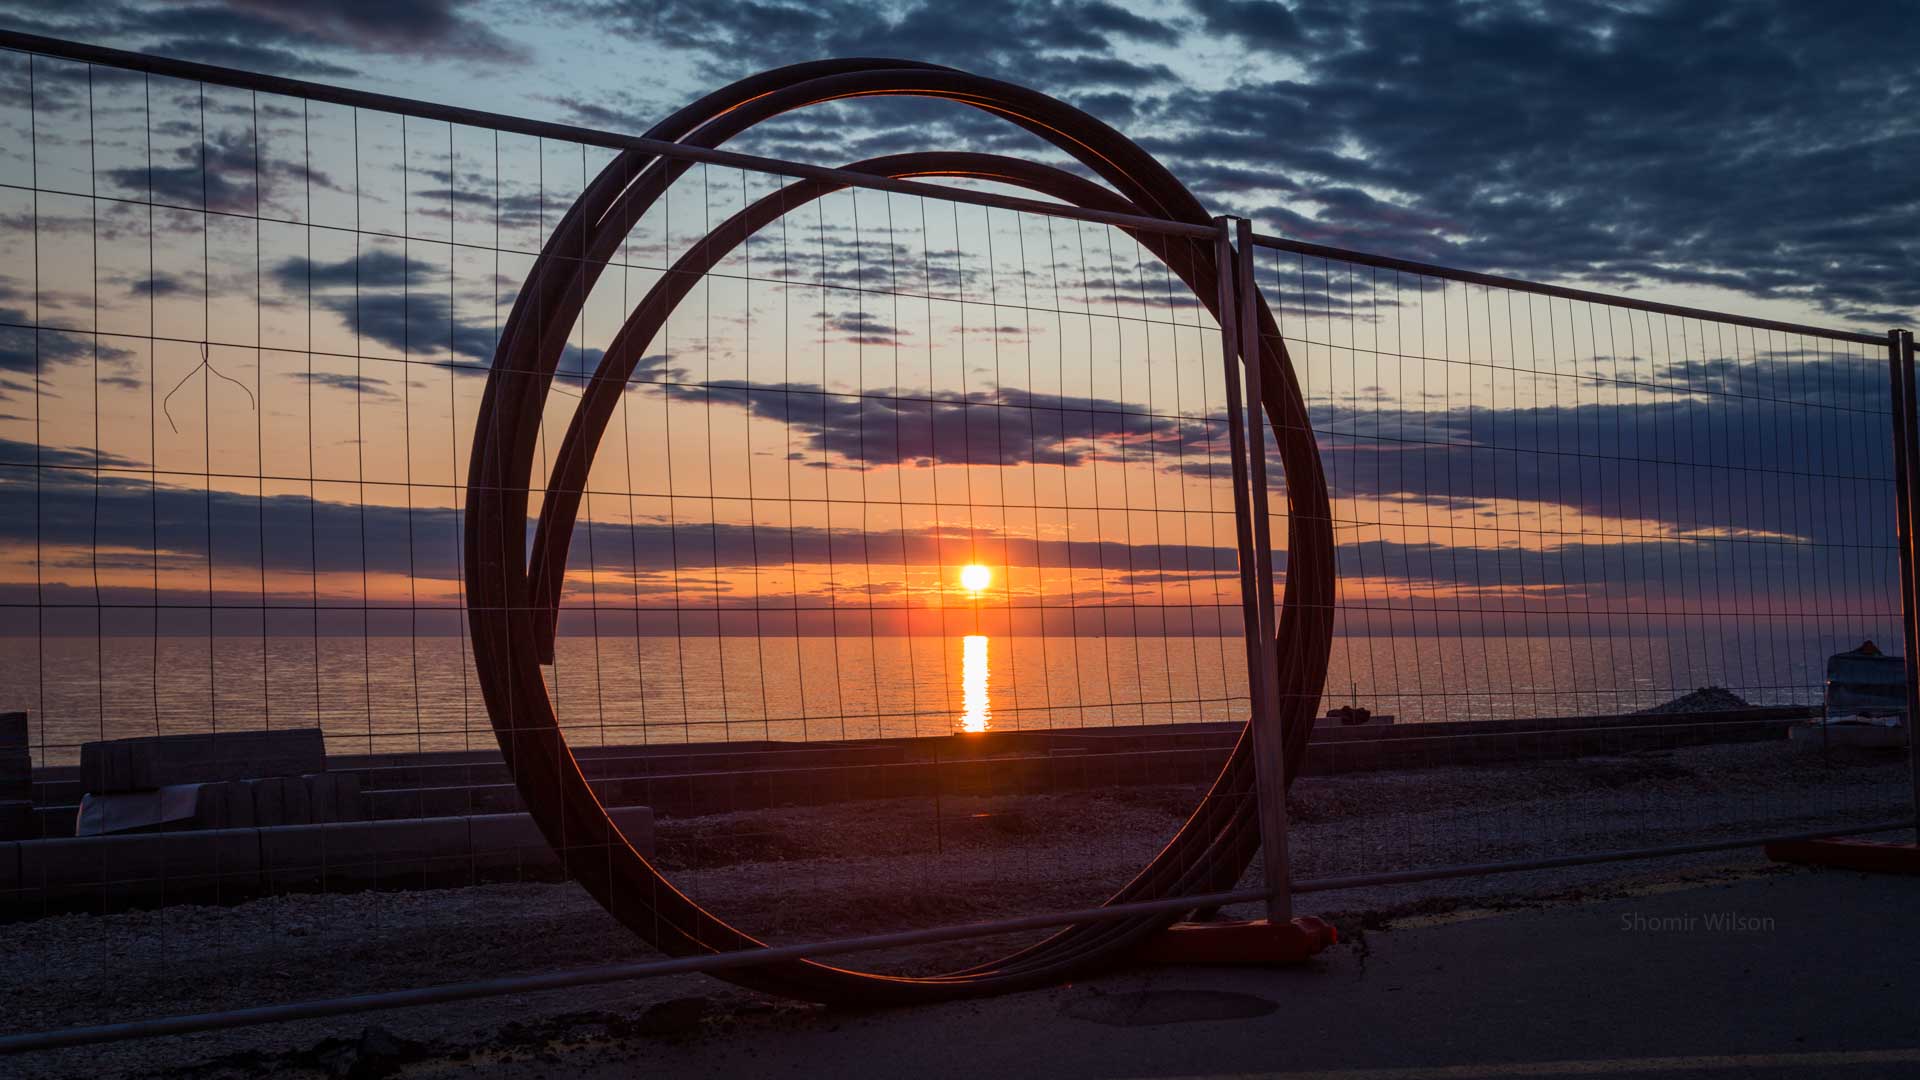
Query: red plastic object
(1869, 855)
(1256, 942)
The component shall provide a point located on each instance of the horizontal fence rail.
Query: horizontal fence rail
(596, 976)
(1497, 281)
(215, 75)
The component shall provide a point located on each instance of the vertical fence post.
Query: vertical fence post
(1269, 741)
(1240, 348)
(1908, 471)
(1900, 375)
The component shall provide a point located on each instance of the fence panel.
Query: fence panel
(1593, 561)
(901, 590)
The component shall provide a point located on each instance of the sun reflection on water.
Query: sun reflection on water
(976, 706)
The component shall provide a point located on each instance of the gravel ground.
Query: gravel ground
(806, 873)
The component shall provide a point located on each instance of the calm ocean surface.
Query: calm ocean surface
(399, 693)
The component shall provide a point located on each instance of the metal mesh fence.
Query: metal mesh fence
(896, 469)
(1594, 559)
(243, 377)
(899, 589)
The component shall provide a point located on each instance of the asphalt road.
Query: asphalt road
(1800, 974)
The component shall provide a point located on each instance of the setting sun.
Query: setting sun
(974, 577)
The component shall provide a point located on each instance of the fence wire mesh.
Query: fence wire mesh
(897, 470)
(1594, 560)
(903, 588)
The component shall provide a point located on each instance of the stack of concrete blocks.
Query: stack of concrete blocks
(16, 778)
(172, 819)
(219, 780)
(157, 822)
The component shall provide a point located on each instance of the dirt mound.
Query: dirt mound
(1705, 699)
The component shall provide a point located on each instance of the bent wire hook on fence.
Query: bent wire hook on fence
(513, 595)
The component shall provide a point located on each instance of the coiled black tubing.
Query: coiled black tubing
(513, 593)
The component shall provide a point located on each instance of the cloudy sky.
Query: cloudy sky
(1739, 153)
(240, 338)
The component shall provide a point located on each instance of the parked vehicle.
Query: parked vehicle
(1866, 686)
(1866, 702)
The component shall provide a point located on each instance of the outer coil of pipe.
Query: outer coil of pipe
(513, 595)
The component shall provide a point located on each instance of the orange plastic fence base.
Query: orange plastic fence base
(1870, 855)
(1257, 942)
